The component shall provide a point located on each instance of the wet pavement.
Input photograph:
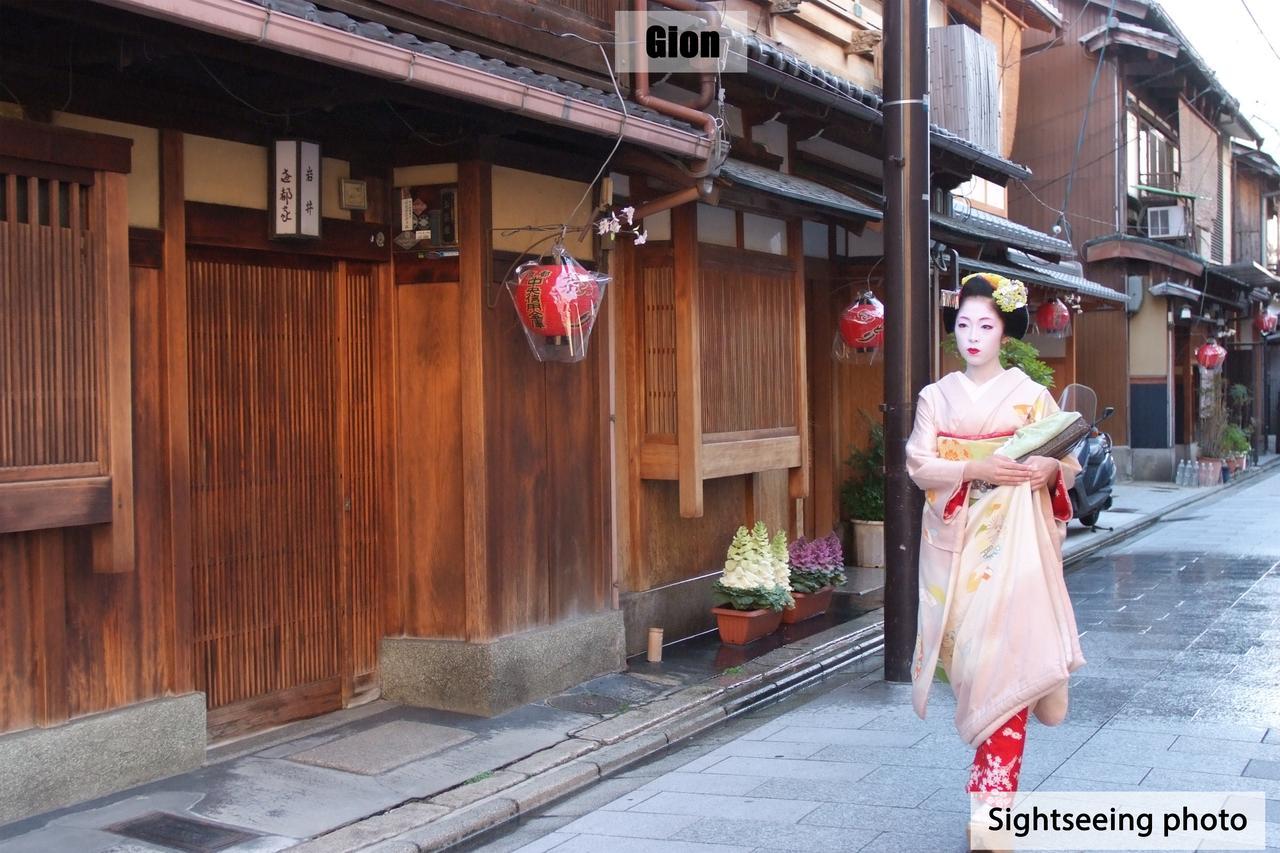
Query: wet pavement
(1181, 630)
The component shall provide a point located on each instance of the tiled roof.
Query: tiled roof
(1069, 274)
(1052, 276)
(974, 223)
(311, 12)
(868, 102)
(796, 188)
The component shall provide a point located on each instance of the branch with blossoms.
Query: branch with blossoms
(621, 222)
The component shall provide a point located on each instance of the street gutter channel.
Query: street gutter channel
(607, 747)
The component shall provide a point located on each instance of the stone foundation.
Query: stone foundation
(495, 676)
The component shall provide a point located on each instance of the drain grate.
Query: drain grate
(586, 703)
(181, 833)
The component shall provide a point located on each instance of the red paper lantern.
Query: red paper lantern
(862, 324)
(1210, 355)
(1053, 318)
(1265, 322)
(554, 299)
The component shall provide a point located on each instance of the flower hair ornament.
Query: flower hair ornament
(1010, 294)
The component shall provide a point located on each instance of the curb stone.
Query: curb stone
(602, 748)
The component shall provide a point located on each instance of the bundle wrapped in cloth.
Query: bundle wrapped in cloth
(1053, 437)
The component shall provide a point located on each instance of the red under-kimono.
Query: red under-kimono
(995, 617)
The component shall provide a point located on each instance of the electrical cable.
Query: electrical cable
(1261, 31)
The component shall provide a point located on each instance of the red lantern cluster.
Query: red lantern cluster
(1265, 322)
(1053, 318)
(1211, 355)
(554, 300)
(862, 324)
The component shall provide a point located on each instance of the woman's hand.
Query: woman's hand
(1045, 470)
(999, 471)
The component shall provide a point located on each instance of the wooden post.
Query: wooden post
(684, 232)
(180, 658)
(475, 222)
(118, 370)
(798, 478)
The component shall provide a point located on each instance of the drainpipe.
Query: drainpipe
(691, 114)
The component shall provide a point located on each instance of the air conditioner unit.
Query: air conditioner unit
(1166, 223)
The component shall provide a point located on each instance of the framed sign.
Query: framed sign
(354, 195)
(295, 189)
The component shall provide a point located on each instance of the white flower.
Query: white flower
(628, 213)
(641, 238)
(602, 226)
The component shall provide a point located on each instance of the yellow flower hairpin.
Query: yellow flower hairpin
(1010, 295)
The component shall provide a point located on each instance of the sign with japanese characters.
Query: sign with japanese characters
(295, 189)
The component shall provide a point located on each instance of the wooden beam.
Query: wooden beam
(727, 459)
(684, 233)
(180, 651)
(475, 223)
(48, 556)
(246, 228)
(43, 143)
(49, 504)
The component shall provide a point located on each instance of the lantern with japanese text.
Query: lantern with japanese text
(557, 303)
(1210, 355)
(860, 334)
(1264, 322)
(1053, 319)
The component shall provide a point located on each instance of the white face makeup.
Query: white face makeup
(978, 331)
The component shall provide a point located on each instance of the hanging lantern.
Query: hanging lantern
(862, 323)
(555, 300)
(1210, 355)
(860, 332)
(1053, 318)
(1265, 322)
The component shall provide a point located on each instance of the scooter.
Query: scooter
(1091, 494)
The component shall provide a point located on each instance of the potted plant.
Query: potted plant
(817, 568)
(862, 499)
(1214, 420)
(1235, 442)
(755, 588)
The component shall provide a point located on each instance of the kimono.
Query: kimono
(995, 618)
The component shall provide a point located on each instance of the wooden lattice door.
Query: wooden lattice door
(285, 438)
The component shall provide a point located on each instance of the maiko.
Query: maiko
(670, 43)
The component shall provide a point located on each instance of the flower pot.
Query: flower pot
(1216, 464)
(869, 543)
(1233, 463)
(739, 627)
(808, 605)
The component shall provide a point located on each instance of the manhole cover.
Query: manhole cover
(586, 703)
(181, 833)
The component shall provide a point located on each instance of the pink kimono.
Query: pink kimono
(995, 618)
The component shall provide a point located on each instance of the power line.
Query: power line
(1261, 31)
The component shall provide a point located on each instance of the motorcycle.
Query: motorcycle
(1091, 494)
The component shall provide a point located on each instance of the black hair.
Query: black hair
(984, 285)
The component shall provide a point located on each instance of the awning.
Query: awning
(1182, 291)
(796, 188)
(1249, 274)
(1047, 277)
(1069, 274)
(976, 226)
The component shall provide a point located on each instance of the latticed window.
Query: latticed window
(65, 436)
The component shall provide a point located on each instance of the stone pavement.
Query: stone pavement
(358, 777)
(1181, 630)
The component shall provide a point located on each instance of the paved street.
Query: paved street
(1180, 628)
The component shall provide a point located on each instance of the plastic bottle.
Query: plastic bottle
(1181, 477)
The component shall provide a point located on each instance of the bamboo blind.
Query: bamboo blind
(748, 347)
(51, 328)
(266, 498)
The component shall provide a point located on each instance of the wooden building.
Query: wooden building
(1129, 134)
(245, 480)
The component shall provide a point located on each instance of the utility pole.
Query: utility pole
(906, 259)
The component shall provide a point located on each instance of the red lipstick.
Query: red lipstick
(973, 350)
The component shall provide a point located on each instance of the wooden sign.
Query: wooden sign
(295, 189)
